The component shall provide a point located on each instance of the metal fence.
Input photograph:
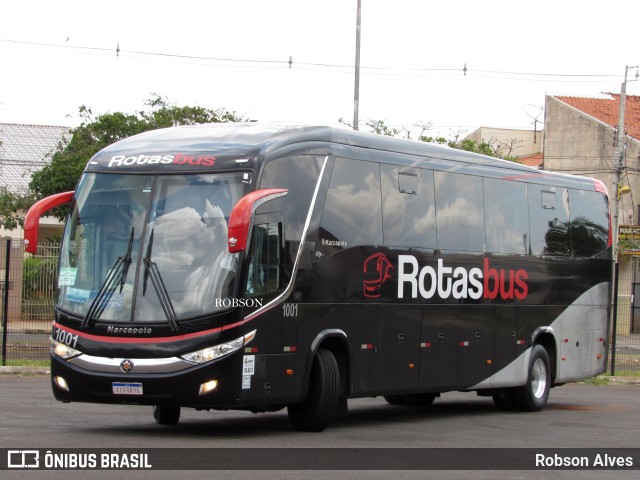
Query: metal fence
(27, 288)
(625, 345)
(27, 306)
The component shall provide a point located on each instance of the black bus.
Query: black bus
(257, 267)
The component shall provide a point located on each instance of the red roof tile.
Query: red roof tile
(534, 160)
(607, 110)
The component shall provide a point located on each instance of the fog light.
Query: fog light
(207, 387)
(61, 383)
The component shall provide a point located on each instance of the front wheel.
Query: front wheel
(532, 396)
(166, 415)
(319, 408)
(503, 399)
(395, 399)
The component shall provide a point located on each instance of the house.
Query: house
(524, 145)
(581, 135)
(580, 138)
(25, 149)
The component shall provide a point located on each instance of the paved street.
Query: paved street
(578, 416)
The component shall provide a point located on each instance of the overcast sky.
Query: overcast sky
(56, 55)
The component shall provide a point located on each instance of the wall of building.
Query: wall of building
(578, 144)
(524, 142)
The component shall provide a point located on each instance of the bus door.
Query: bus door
(265, 281)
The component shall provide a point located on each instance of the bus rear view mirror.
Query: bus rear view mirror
(32, 219)
(242, 215)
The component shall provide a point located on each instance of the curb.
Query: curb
(625, 380)
(25, 370)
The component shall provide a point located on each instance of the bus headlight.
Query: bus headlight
(218, 351)
(63, 351)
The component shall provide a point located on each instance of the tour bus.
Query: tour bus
(256, 267)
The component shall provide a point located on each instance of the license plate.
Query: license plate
(121, 388)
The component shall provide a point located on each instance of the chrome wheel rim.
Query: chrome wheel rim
(538, 378)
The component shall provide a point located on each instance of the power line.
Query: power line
(290, 63)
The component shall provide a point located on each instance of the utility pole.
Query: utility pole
(618, 169)
(356, 90)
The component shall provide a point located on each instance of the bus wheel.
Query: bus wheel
(503, 399)
(317, 411)
(395, 399)
(166, 415)
(532, 397)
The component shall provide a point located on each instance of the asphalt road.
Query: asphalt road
(577, 416)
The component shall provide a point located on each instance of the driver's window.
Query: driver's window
(265, 260)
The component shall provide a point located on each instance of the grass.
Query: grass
(28, 363)
(599, 380)
(607, 379)
(627, 373)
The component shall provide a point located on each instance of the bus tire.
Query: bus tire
(503, 399)
(319, 408)
(395, 399)
(533, 395)
(166, 415)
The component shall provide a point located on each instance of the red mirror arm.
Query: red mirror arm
(32, 219)
(242, 214)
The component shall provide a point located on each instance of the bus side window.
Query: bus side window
(459, 212)
(506, 216)
(265, 260)
(352, 214)
(549, 220)
(408, 207)
(589, 222)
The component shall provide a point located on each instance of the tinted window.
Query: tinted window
(506, 216)
(589, 222)
(549, 220)
(352, 211)
(299, 175)
(408, 207)
(264, 271)
(459, 212)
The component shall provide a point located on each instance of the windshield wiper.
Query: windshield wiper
(117, 275)
(151, 270)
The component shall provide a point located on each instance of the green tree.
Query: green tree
(93, 134)
(10, 204)
(491, 148)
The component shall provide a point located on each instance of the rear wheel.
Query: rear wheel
(532, 397)
(166, 415)
(319, 408)
(503, 399)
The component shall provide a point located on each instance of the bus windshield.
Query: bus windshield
(150, 248)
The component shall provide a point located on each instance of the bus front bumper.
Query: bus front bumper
(197, 386)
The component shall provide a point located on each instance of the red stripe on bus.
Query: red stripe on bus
(104, 338)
